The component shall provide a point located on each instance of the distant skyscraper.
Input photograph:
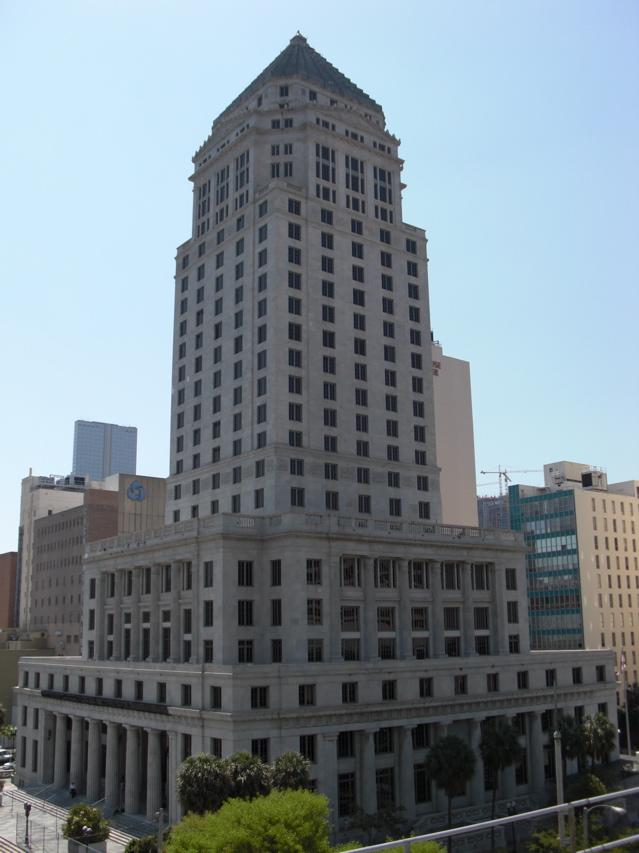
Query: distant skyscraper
(100, 450)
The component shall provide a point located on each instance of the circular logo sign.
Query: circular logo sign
(135, 491)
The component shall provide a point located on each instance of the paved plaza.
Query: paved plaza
(45, 825)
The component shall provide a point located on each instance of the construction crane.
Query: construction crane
(504, 475)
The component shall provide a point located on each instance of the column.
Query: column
(47, 748)
(405, 620)
(368, 784)
(508, 775)
(135, 613)
(437, 613)
(153, 774)
(439, 798)
(132, 771)
(468, 616)
(76, 771)
(117, 615)
(60, 766)
(94, 760)
(112, 770)
(156, 614)
(406, 772)
(477, 791)
(327, 767)
(176, 651)
(499, 623)
(174, 805)
(369, 652)
(535, 751)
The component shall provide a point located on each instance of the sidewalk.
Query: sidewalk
(45, 825)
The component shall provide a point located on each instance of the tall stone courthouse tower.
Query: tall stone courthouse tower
(303, 594)
(301, 356)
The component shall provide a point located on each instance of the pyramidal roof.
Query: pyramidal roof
(299, 59)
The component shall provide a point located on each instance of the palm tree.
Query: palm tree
(248, 776)
(202, 784)
(499, 748)
(599, 737)
(450, 763)
(573, 742)
(291, 771)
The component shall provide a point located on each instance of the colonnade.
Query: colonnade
(124, 764)
(134, 768)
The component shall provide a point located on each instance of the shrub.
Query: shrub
(147, 844)
(282, 822)
(81, 817)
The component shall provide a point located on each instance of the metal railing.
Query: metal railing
(567, 810)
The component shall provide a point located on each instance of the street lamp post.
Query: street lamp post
(160, 816)
(27, 812)
(559, 778)
(619, 810)
(511, 809)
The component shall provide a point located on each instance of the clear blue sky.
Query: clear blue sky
(520, 129)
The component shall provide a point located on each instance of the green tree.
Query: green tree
(450, 763)
(599, 738)
(203, 783)
(282, 822)
(248, 776)
(291, 771)
(499, 748)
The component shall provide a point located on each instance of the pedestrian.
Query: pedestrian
(73, 790)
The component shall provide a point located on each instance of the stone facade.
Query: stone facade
(303, 593)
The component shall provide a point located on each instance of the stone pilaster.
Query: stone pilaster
(468, 616)
(176, 634)
(76, 770)
(156, 614)
(369, 652)
(404, 627)
(136, 619)
(437, 613)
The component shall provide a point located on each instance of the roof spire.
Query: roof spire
(298, 38)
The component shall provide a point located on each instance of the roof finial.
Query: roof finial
(298, 38)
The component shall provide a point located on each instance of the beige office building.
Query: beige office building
(454, 437)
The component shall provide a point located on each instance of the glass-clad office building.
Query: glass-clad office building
(549, 524)
(101, 449)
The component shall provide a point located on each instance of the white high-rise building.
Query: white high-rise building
(303, 594)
